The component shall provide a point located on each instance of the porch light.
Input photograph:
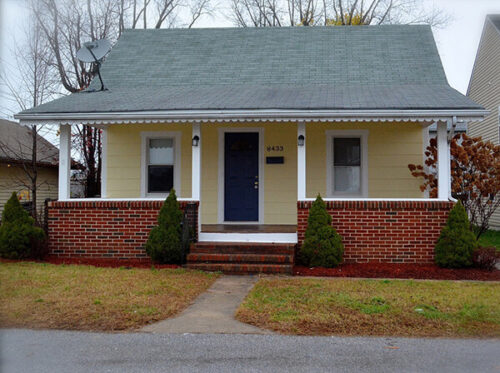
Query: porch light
(196, 140)
(301, 140)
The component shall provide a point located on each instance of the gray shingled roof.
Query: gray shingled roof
(360, 67)
(495, 19)
(16, 145)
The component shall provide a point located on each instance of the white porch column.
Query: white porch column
(64, 161)
(443, 161)
(104, 161)
(196, 165)
(301, 162)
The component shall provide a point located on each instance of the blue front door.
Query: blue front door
(241, 176)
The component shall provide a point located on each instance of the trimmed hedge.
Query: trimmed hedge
(457, 242)
(18, 234)
(322, 245)
(164, 244)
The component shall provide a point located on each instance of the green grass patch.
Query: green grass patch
(374, 307)
(490, 238)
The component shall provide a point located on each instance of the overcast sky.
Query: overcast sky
(457, 42)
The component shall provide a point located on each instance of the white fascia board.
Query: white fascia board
(104, 118)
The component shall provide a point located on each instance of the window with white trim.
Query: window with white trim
(160, 163)
(347, 163)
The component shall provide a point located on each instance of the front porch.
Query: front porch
(263, 198)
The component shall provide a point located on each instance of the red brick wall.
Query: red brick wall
(110, 229)
(384, 231)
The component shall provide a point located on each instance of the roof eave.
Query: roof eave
(104, 118)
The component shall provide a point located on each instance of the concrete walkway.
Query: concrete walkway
(213, 311)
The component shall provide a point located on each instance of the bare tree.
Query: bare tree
(35, 84)
(265, 13)
(66, 24)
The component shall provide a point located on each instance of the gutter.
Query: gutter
(242, 115)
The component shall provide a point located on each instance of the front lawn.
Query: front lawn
(490, 238)
(41, 295)
(374, 307)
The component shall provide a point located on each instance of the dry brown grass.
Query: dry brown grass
(39, 295)
(374, 307)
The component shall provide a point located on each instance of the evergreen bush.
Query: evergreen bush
(457, 242)
(164, 244)
(18, 234)
(322, 245)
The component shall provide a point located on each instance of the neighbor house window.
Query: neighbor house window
(347, 163)
(160, 163)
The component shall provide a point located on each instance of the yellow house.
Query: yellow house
(16, 170)
(249, 126)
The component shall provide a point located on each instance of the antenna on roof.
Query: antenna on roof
(93, 52)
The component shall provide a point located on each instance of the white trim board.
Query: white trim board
(220, 187)
(248, 237)
(288, 115)
(104, 162)
(146, 135)
(363, 135)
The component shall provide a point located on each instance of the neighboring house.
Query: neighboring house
(16, 153)
(484, 88)
(249, 125)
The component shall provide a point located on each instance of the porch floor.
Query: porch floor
(248, 228)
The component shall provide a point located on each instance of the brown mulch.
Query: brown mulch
(389, 270)
(100, 262)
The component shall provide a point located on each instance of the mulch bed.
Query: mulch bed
(100, 262)
(409, 271)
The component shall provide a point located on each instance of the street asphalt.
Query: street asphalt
(63, 351)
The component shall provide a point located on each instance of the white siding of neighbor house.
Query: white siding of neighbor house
(484, 88)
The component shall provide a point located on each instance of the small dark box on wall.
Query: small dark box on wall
(275, 160)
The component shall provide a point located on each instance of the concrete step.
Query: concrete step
(242, 268)
(240, 258)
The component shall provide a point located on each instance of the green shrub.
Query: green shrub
(164, 244)
(457, 242)
(18, 235)
(322, 245)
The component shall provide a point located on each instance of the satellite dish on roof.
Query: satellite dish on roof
(93, 52)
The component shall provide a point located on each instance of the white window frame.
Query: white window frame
(145, 137)
(363, 136)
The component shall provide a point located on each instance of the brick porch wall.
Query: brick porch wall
(108, 229)
(384, 231)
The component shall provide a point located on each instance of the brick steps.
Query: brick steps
(242, 258)
(242, 248)
(237, 268)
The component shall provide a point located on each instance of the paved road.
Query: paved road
(59, 351)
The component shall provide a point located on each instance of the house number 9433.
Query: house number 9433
(275, 148)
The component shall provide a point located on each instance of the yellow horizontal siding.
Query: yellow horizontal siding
(391, 147)
(14, 179)
(124, 158)
(279, 180)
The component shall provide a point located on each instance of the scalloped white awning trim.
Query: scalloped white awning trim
(212, 116)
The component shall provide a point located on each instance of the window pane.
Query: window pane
(161, 151)
(346, 151)
(347, 179)
(160, 178)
